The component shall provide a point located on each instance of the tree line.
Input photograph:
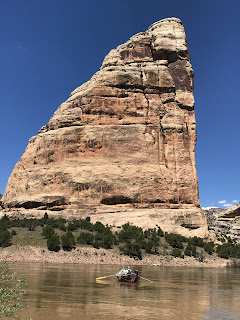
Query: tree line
(131, 240)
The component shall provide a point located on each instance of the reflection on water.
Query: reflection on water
(59, 291)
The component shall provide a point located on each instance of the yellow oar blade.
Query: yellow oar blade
(145, 279)
(101, 281)
(112, 275)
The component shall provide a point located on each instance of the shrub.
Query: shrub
(160, 233)
(4, 222)
(44, 218)
(85, 238)
(177, 253)
(108, 238)
(72, 226)
(31, 224)
(132, 249)
(48, 231)
(5, 218)
(175, 240)
(196, 241)
(85, 224)
(190, 250)
(147, 246)
(68, 241)
(209, 247)
(148, 232)
(61, 225)
(194, 251)
(13, 232)
(53, 243)
(130, 233)
(155, 240)
(226, 250)
(5, 238)
(56, 223)
(98, 236)
(98, 226)
(96, 244)
(12, 290)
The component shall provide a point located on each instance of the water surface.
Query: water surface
(68, 291)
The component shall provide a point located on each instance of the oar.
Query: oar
(145, 279)
(112, 275)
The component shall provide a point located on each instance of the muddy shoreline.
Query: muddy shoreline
(88, 255)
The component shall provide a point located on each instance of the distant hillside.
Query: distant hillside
(224, 222)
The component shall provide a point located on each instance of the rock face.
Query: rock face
(225, 223)
(127, 135)
(232, 212)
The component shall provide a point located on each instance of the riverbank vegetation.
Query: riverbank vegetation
(133, 241)
(12, 289)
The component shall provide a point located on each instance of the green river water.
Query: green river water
(68, 291)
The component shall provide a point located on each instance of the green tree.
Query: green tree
(32, 224)
(53, 243)
(85, 224)
(4, 222)
(160, 233)
(48, 231)
(12, 289)
(44, 219)
(98, 226)
(85, 238)
(177, 253)
(175, 240)
(132, 249)
(209, 247)
(68, 241)
(96, 244)
(228, 250)
(129, 233)
(5, 238)
(73, 225)
(190, 250)
(147, 245)
(196, 241)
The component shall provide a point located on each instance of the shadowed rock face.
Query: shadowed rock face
(127, 135)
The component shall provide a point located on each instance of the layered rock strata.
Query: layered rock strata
(225, 223)
(127, 136)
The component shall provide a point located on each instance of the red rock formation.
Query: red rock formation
(126, 136)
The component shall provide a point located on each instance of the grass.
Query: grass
(25, 237)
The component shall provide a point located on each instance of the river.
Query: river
(70, 291)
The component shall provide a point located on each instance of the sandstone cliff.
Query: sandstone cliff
(127, 136)
(225, 223)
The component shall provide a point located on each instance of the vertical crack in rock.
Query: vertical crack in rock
(175, 143)
(161, 133)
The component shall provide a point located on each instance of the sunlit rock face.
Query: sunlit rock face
(127, 136)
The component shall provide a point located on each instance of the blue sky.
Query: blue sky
(48, 48)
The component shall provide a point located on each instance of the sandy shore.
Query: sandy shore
(88, 255)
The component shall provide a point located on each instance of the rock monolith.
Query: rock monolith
(123, 144)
